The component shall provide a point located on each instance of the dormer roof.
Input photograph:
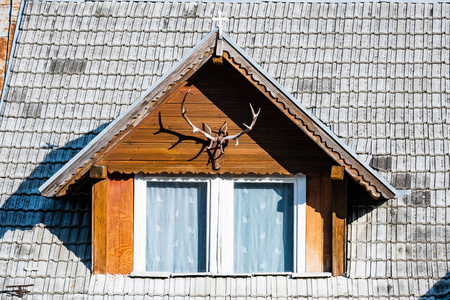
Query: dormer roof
(213, 45)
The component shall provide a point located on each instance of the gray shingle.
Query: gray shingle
(377, 73)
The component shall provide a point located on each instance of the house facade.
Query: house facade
(98, 114)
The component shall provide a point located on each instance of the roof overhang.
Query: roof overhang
(354, 166)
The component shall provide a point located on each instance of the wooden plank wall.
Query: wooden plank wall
(152, 147)
(339, 223)
(326, 224)
(113, 224)
(318, 223)
(99, 225)
(164, 142)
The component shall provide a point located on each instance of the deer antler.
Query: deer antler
(219, 141)
(236, 136)
(194, 128)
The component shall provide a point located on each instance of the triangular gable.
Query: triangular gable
(173, 80)
(163, 143)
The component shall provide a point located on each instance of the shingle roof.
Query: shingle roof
(376, 73)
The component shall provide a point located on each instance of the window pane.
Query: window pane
(263, 227)
(176, 227)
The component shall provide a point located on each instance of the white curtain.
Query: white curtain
(263, 227)
(176, 227)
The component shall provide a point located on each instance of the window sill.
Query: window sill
(168, 275)
(191, 274)
(144, 274)
(312, 275)
(232, 275)
(149, 274)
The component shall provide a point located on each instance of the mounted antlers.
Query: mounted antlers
(220, 140)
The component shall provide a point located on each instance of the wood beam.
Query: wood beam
(314, 226)
(218, 51)
(337, 173)
(98, 172)
(112, 229)
(218, 61)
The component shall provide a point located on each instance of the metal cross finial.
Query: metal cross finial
(219, 22)
(20, 289)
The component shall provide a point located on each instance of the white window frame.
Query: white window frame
(140, 215)
(220, 236)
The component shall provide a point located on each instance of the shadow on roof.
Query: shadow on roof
(48, 236)
(440, 290)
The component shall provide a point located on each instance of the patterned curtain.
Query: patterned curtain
(176, 227)
(263, 227)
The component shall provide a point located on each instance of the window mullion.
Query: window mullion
(226, 220)
(214, 226)
(300, 223)
(140, 229)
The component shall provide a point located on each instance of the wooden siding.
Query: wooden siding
(339, 225)
(113, 224)
(164, 142)
(99, 225)
(318, 223)
(153, 147)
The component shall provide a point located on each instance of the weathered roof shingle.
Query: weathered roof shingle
(377, 73)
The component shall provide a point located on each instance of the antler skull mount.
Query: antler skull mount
(219, 141)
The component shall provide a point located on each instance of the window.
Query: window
(219, 224)
(263, 227)
(176, 227)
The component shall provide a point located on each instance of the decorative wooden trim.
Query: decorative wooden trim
(131, 119)
(218, 61)
(339, 224)
(352, 166)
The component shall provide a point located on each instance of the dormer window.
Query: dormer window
(252, 214)
(219, 224)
